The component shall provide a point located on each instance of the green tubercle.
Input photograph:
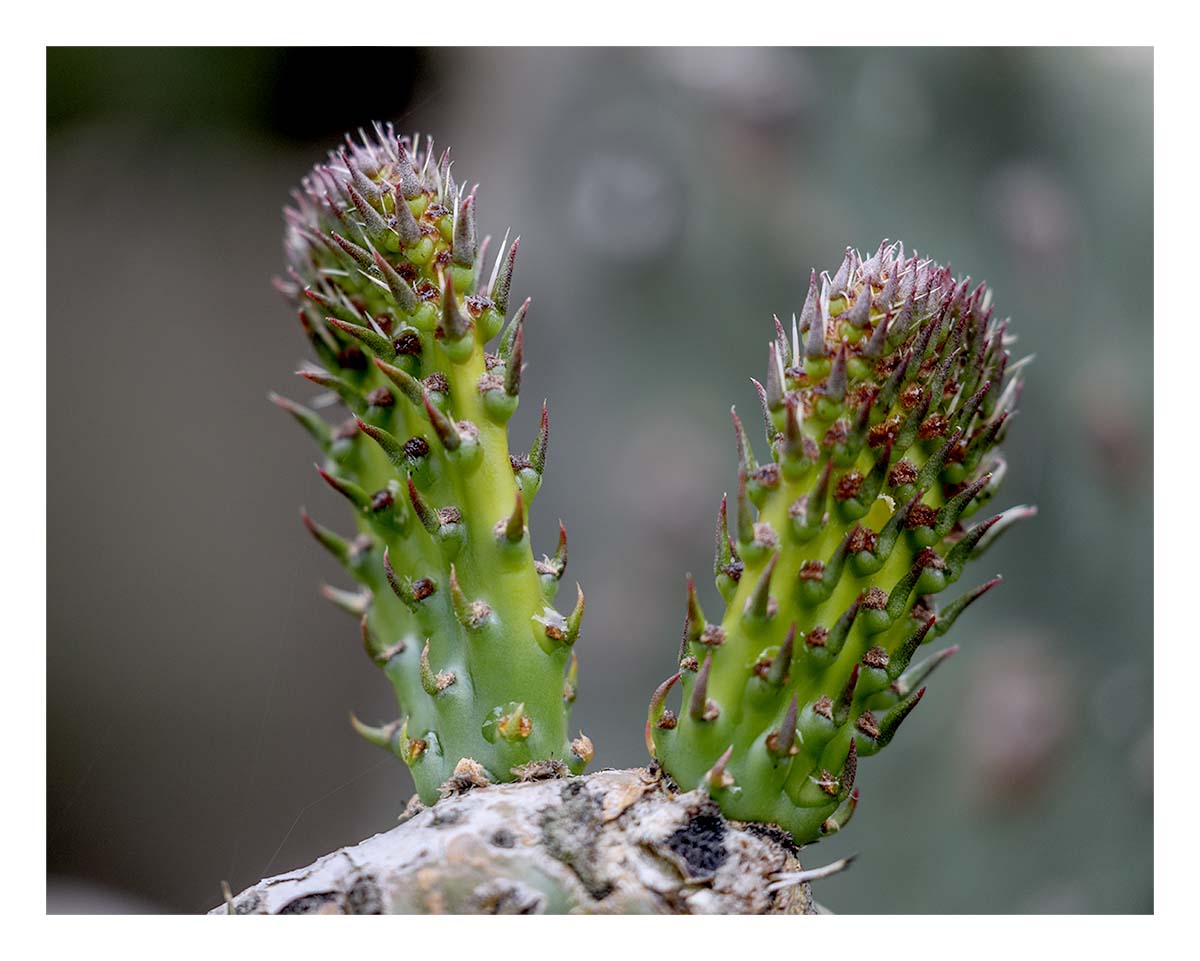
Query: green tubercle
(389, 281)
(883, 409)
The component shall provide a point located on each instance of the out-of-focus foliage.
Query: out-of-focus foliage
(669, 202)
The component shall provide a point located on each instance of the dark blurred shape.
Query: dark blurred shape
(319, 93)
(296, 93)
(66, 895)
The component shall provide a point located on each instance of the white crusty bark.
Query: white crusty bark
(613, 842)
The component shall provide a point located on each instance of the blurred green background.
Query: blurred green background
(669, 201)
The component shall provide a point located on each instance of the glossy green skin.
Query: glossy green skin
(506, 659)
(803, 791)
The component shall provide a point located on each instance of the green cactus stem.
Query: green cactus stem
(884, 406)
(398, 303)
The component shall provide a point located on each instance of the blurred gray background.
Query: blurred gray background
(669, 201)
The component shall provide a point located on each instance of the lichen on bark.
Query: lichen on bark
(613, 842)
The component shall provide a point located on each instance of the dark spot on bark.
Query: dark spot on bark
(700, 844)
(445, 816)
(569, 833)
(250, 903)
(504, 896)
(504, 838)
(776, 835)
(364, 897)
(309, 904)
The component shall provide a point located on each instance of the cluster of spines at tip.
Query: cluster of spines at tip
(893, 386)
(390, 283)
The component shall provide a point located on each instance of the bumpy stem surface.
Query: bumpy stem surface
(882, 409)
(392, 290)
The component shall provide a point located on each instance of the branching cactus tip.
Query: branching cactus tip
(884, 405)
(398, 299)
(884, 402)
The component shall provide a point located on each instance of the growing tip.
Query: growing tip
(512, 528)
(718, 778)
(808, 312)
(502, 277)
(425, 514)
(513, 364)
(859, 315)
(541, 444)
(443, 426)
(782, 742)
(575, 618)
(336, 545)
(465, 242)
(758, 605)
(657, 711)
(814, 340)
(699, 707)
(455, 324)
(781, 663)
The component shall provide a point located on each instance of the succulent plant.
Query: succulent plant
(396, 297)
(884, 405)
